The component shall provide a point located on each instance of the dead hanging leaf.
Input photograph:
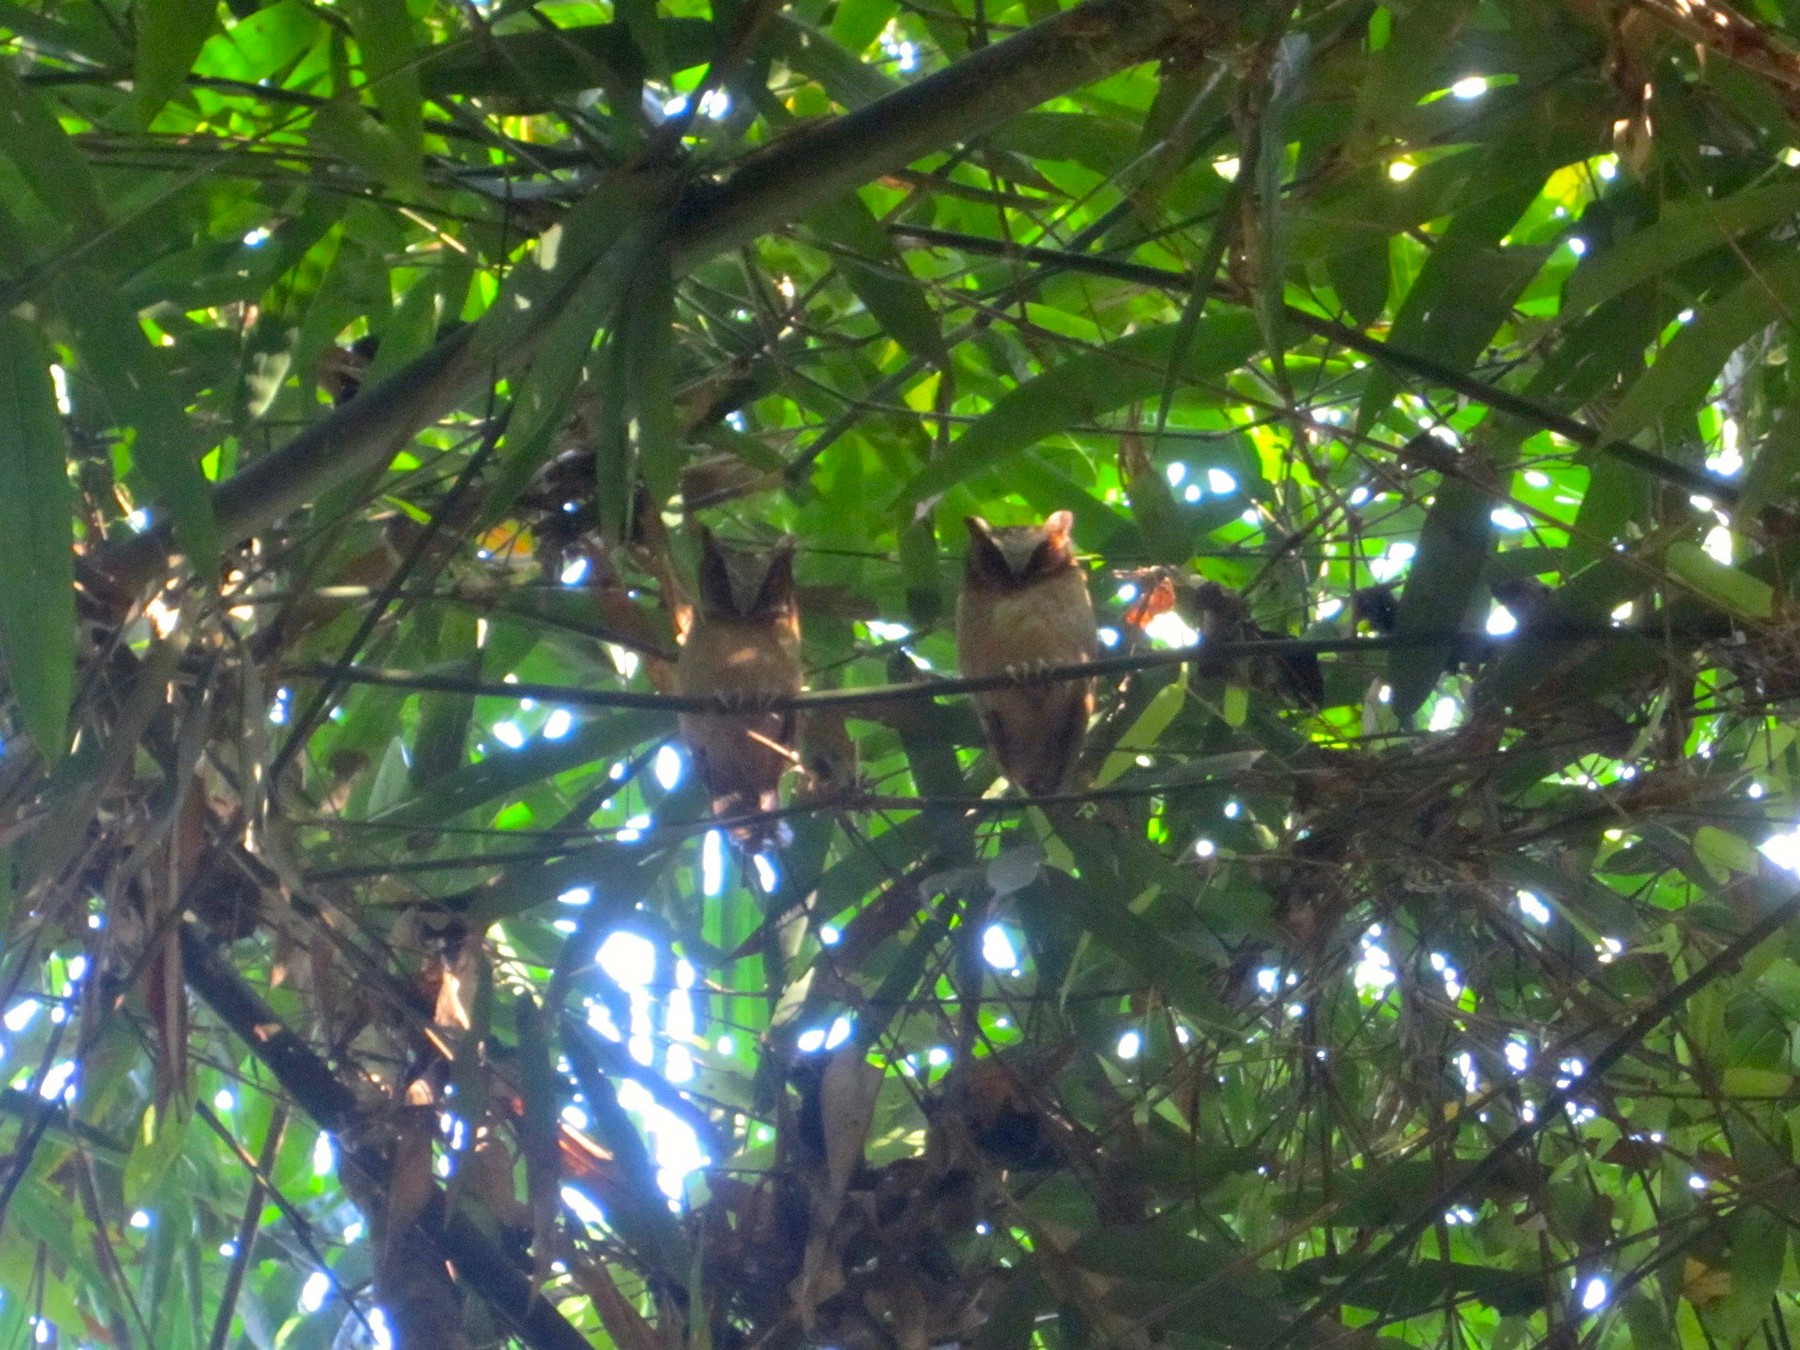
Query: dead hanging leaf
(508, 542)
(1703, 1285)
(410, 1183)
(166, 997)
(847, 1092)
(1159, 599)
(539, 1136)
(827, 754)
(847, 1086)
(488, 1175)
(624, 1323)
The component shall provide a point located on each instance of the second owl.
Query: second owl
(1024, 604)
(745, 641)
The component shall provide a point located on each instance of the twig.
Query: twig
(1464, 644)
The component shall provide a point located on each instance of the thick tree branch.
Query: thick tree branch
(775, 185)
(333, 1106)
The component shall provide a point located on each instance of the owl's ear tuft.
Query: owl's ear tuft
(1057, 527)
(776, 593)
(715, 576)
(987, 560)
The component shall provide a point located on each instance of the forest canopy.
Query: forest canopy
(504, 840)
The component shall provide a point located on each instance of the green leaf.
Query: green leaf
(32, 138)
(170, 34)
(1685, 230)
(1442, 589)
(37, 604)
(646, 31)
(141, 400)
(1730, 587)
(1687, 366)
(1461, 296)
(1770, 476)
(1361, 277)
(1144, 733)
(1082, 388)
(878, 274)
(1724, 852)
(384, 39)
(566, 346)
(508, 771)
(648, 350)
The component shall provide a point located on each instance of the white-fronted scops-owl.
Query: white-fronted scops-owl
(746, 642)
(1024, 605)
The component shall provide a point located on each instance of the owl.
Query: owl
(1024, 604)
(745, 640)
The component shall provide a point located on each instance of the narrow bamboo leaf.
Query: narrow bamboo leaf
(875, 270)
(896, 989)
(857, 23)
(1370, 207)
(265, 44)
(1081, 388)
(541, 399)
(170, 34)
(531, 68)
(1287, 79)
(82, 34)
(1684, 231)
(1687, 366)
(1441, 588)
(648, 335)
(511, 771)
(350, 132)
(441, 741)
(921, 572)
(612, 440)
(1144, 733)
(409, 330)
(32, 138)
(1176, 971)
(384, 39)
(1462, 294)
(142, 401)
(1770, 477)
(1759, 1244)
(841, 73)
(37, 604)
(539, 286)
(1731, 588)
(1723, 852)
(1361, 277)
(646, 31)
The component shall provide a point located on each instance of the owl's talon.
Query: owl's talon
(1027, 672)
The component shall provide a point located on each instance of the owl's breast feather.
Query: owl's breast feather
(1051, 623)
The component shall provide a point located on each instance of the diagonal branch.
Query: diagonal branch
(333, 1106)
(773, 186)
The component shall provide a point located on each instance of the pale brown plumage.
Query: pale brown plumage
(745, 641)
(1024, 605)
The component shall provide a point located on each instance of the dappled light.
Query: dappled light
(956, 676)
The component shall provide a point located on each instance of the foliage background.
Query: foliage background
(1417, 967)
